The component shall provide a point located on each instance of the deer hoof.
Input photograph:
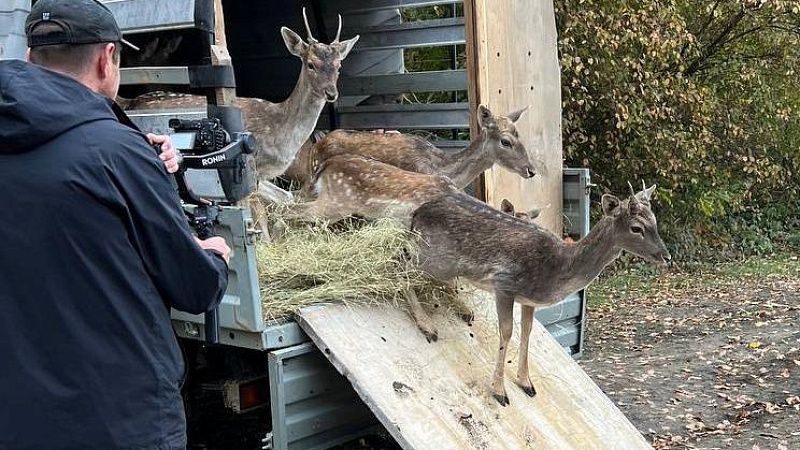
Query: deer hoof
(502, 399)
(431, 336)
(529, 390)
(278, 229)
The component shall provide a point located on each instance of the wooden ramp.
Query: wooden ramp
(435, 395)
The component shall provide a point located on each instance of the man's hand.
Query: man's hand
(168, 154)
(216, 244)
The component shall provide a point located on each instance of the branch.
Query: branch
(703, 28)
(714, 47)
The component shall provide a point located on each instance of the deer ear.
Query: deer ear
(649, 191)
(507, 207)
(150, 49)
(294, 42)
(344, 47)
(646, 194)
(485, 117)
(514, 116)
(173, 44)
(610, 204)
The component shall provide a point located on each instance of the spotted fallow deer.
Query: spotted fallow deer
(387, 181)
(280, 128)
(498, 142)
(347, 185)
(524, 263)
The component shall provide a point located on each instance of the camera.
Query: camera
(215, 162)
(200, 136)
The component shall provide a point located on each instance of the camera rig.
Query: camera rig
(214, 171)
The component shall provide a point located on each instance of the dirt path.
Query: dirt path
(704, 360)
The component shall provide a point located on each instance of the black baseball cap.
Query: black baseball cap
(78, 22)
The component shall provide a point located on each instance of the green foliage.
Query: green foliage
(425, 59)
(697, 96)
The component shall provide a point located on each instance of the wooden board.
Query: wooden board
(435, 395)
(513, 61)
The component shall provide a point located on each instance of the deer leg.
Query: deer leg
(505, 319)
(273, 194)
(315, 211)
(523, 376)
(463, 311)
(421, 318)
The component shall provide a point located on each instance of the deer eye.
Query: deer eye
(310, 66)
(505, 143)
(635, 229)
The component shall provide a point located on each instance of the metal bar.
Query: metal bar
(405, 116)
(566, 334)
(154, 75)
(577, 205)
(277, 397)
(425, 33)
(402, 83)
(451, 145)
(313, 406)
(140, 16)
(569, 308)
(360, 6)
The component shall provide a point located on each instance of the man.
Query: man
(95, 249)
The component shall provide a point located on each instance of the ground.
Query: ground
(702, 359)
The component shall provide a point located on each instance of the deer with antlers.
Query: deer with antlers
(524, 263)
(498, 142)
(280, 128)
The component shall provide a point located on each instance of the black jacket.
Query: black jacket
(94, 249)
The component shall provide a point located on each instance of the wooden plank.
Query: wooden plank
(513, 61)
(473, 39)
(435, 395)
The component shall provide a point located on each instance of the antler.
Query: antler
(339, 31)
(633, 194)
(311, 37)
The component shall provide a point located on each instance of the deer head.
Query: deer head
(634, 225)
(155, 53)
(499, 134)
(507, 207)
(321, 62)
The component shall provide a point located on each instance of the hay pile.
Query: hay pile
(351, 263)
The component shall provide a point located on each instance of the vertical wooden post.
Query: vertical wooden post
(512, 62)
(220, 55)
(473, 87)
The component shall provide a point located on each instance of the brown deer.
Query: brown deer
(507, 207)
(498, 142)
(347, 185)
(280, 128)
(524, 263)
(392, 181)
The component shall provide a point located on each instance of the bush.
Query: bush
(697, 96)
